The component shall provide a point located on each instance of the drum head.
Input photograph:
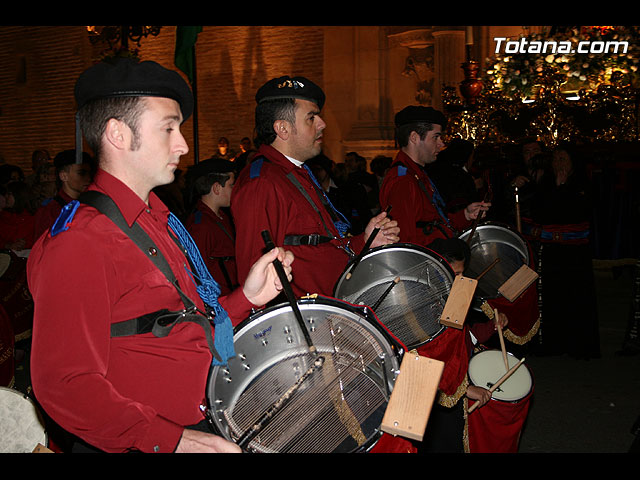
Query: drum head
(21, 425)
(489, 243)
(487, 367)
(335, 408)
(412, 307)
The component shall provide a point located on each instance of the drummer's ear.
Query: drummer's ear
(281, 127)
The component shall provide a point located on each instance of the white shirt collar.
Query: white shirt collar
(297, 163)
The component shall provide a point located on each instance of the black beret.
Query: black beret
(68, 157)
(451, 248)
(291, 87)
(420, 114)
(211, 165)
(126, 77)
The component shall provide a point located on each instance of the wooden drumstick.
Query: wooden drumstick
(501, 337)
(286, 286)
(385, 293)
(489, 267)
(487, 197)
(366, 247)
(499, 382)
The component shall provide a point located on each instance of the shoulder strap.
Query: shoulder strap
(164, 323)
(104, 204)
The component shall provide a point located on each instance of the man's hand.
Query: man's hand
(389, 230)
(501, 320)
(474, 209)
(263, 284)
(479, 394)
(193, 441)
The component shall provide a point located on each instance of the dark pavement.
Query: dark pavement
(590, 406)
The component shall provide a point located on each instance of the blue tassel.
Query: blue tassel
(341, 225)
(209, 291)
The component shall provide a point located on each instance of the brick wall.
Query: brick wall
(39, 66)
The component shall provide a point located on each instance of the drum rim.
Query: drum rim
(362, 312)
(394, 246)
(403, 246)
(523, 365)
(506, 227)
(39, 414)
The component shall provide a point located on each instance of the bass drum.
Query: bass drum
(335, 408)
(411, 307)
(490, 242)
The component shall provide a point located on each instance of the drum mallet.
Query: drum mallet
(286, 286)
(501, 337)
(499, 382)
(366, 247)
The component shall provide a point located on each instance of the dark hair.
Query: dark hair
(22, 196)
(457, 152)
(201, 177)
(404, 131)
(267, 112)
(380, 164)
(452, 249)
(94, 116)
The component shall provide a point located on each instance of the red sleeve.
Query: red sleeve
(69, 372)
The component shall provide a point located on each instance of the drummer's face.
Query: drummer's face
(458, 267)
(430, 145)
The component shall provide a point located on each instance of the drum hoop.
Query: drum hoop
(38, 414)
(507, 228)
(397, 246)
(403, 247)
(530, 374)
(362, 312)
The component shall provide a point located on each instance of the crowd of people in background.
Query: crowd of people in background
(552, 187)
(544, 194)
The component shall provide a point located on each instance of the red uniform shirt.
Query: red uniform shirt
(127, 392)
(264, 198)
(215, 238)
(407, 188)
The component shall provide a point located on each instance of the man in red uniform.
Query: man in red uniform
(277, 193)
(417, 206)
(95, 372)
(210, 225)
(73, 178)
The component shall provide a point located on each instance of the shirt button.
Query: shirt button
(156, 448)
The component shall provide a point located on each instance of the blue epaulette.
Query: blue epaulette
(402, 170)
(256, 165)
(64, 219)
(197, 216)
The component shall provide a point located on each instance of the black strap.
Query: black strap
(312, 239)
(306, 195)
(427, 227)
(160, 323)
(60, 200)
